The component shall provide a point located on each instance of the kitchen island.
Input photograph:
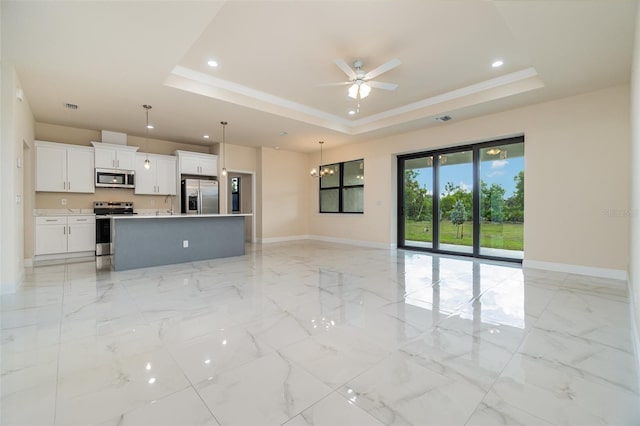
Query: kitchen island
(141, 241)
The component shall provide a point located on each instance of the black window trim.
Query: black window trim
(341, 186)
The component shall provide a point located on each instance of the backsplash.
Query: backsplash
(53, 200)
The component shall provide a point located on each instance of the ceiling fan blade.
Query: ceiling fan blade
(343, 83)
(381, 85)
(346, 69)
(382, 69)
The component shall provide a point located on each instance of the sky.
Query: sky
(501, 172)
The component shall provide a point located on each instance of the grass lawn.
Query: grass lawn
(508, 236)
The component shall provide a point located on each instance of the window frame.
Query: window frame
(340, 187)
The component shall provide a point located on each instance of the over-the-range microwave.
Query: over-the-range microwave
(111, 178)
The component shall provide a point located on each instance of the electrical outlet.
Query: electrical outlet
(63, 201)
(185, 243)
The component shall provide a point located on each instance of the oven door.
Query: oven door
(103, 236)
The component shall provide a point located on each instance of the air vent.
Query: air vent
(444, 118)
(70, 106)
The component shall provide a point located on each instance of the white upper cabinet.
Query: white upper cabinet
(194, 163)
(64, 168)
(159, 179)
(110, 156)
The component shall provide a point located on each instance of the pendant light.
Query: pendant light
(147, 163)
(224, 149)
(324, 171)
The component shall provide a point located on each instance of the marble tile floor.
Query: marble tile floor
(312, 333)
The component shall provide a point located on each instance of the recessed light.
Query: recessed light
(149, 126)
(205, 136)
(497, 64)
(212, 63)
(352, 112)
(444, 118)
(283, 133)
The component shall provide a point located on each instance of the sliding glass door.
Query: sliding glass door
(501, 172)
(455, 185)
(467, 200)
(418, 202)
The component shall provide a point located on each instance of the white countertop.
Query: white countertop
(63, 212)
(170, 216)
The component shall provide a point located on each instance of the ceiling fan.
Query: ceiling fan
(361, 82)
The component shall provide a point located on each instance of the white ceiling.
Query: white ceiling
(111, 57)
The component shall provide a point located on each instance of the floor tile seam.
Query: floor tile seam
(339, 385)
(523, 409)
(511, 357)
(58, 378)
(322, 398)
(579, 373)
(514, 407)
(586, 340)
(186, 377)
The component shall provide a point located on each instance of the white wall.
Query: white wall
(283, 185)
(576, 185)
(634, 212)
(17, 130)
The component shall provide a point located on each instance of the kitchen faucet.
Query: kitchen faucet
(165, 201)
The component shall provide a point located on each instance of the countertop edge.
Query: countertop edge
(176, 216)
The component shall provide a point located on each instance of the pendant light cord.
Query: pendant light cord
(224, 148)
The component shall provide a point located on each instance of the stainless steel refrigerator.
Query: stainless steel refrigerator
(199, 196)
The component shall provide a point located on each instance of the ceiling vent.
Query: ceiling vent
(444, 118)
(70, 106)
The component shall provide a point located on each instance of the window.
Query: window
(342, 187)
(235, 195)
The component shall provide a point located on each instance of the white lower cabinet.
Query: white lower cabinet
(65, 234)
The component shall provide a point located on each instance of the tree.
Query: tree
(514, 205)
(458, 216)
(451, 195)
(492, 202)
(418, 201)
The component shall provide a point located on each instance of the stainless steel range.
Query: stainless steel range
(104, 210)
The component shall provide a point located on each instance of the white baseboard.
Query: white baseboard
(359, 243)
(615, 274)
(635, 318)
(282, 239)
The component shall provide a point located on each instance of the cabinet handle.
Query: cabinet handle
(81, 220)
(69, 230)
(51, 220)
(64, 230)
(69, 186)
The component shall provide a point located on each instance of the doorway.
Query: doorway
(240, 199)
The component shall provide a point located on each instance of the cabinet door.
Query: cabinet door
(81, 233)
(189, 165)
(51, 168)
(51, 235)
(125, 160)
(80, 170)
(105, 158)
(166, 175)
(209, 166)
(145, 178)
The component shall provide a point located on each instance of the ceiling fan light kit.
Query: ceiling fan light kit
(360, 82)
